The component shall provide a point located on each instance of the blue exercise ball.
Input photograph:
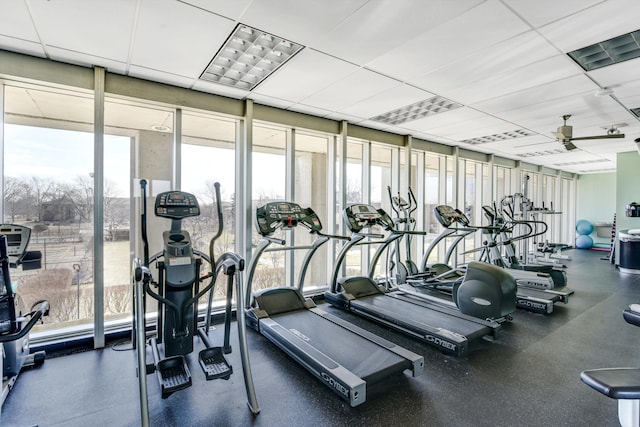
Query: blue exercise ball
(584, 227)
(584, 242)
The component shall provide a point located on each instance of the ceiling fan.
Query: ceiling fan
(565, 134)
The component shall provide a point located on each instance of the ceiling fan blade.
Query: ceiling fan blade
(583, 138)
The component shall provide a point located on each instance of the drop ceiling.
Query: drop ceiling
(505, 62)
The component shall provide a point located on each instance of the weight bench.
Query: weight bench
(622, 384)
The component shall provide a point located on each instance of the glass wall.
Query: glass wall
(132, 127)
(382, 169)
(48, 187)
(502, 183)
(268, 183)
(354, 193)
(49, 179)
(310, 191)
(475, 189)
(207, 158)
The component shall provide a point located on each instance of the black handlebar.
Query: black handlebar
(36, 315)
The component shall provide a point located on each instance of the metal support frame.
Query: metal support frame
(98, 208)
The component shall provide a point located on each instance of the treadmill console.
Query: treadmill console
(446, 215)
(176, 205)
(361, 216)
(286, 215)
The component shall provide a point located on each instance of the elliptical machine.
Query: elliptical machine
(14, 332)
(177, 292)
(399, 269)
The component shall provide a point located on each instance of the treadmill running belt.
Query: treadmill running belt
(359, 355)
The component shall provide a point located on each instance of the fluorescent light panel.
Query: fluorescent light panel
(416, 111)
(248, 57)
(583, 162)
(518, 133)
(543, 153)
(609, 52)
(599, 170)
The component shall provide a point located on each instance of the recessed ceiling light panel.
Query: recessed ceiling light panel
(542, 153)
(418, 110)
(608, 52)
(582, 162)
(498, 137)
(248, 57)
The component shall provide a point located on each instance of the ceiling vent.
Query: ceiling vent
(609, 52)
(416, 111)
(636, 111)
(248, 57)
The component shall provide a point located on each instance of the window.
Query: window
(311, 191)
(208, 157)
(48, 166)
(268, 185)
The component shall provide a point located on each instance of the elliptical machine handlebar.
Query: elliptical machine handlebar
(36, 315)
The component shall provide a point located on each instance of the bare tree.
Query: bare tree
(81, 193)
(15, 192)
(115, 211)
(41, 190)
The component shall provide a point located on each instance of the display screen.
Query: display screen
(176, 196)
(284, 207)
(13, 239)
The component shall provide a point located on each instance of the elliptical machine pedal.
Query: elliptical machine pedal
(173, 375)
(214, 364)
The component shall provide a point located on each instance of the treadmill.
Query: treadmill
(344, 357)
(436, 324)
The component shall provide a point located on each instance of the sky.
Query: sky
(64, 155)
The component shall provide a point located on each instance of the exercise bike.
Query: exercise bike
(177, 291)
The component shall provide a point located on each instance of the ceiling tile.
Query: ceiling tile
(305, 74)
(533, 75)
(15, 21)
(379, 26)
(541, 12)
(21, 46)
(391, 99)
(350, 90)
(219, 89)
(94, 27)
(617, 74)
(229, 9)
(593, 25)
(300, 21)
(86, 60)
(485, 25)
(160, 76)
(177, 38)
(495, 61)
